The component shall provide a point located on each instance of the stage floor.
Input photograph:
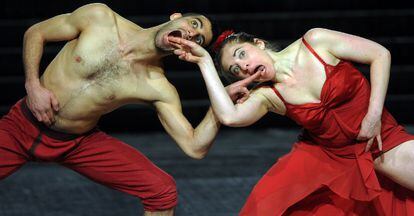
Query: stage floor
(215, 186)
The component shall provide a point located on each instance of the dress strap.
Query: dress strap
(313, 51)
(278, 93)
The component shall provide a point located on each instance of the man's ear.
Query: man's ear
(260, 43)
(175, 16)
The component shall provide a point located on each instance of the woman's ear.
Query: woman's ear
(260, 43)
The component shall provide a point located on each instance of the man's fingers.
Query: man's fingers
(45, 119)
(38, 116)
(243, 98)
(242, 95)
(244, 91)
(50, 115)
(55, 103)
(369, 144)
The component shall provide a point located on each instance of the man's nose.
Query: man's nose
(190, 35)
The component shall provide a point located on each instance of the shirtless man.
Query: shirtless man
(107, 62)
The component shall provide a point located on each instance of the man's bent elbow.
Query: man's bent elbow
(32, 32)
(197, 154)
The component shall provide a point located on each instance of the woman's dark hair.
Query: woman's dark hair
(240, 37)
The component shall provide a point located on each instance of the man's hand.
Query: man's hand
(238, 91)
(42, 103)
(370, 130)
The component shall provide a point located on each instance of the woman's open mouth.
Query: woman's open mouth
(260, 69)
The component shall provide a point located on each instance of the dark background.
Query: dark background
(283, 21)
(219, 184)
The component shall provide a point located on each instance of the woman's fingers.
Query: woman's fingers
(369, 144)
(181, 42)
(249, 79)
(379, 142)
(362, 136)
(179, 52)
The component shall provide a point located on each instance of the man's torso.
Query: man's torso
(91, 76)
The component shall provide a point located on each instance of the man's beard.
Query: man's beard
(163, 50)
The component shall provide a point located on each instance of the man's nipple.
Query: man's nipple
(78, 59)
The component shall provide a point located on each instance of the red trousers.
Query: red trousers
(94, 154)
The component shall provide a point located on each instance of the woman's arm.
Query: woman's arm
(236, 115)
(361, 50)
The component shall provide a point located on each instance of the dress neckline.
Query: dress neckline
(327, 75)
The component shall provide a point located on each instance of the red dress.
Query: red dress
(327, 172)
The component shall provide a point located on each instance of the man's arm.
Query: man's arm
(194, 142)
(59, 28)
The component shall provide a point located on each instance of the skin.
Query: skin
(108, 62)
(299, 77)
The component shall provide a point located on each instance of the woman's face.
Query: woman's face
(246, 59)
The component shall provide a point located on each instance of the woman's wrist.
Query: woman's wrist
(375, 113)
(205, 62)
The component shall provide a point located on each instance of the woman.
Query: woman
(352, 158)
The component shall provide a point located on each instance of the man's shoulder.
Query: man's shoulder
(96, 12)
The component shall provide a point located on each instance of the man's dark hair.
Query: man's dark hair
(215, 31)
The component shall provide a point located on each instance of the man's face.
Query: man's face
(194, 28)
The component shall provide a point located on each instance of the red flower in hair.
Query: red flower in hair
(221, 38)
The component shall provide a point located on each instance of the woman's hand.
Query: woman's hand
(238, 91)
(189, 51)
(370, 130)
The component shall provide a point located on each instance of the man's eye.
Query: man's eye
(194, 24)
(199, 40)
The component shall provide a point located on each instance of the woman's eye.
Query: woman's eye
(236, 70)
(242, 54)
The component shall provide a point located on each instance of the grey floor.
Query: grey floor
(215, 186)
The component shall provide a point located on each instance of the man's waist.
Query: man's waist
(53, 133)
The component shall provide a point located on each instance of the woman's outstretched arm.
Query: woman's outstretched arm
(236, 115)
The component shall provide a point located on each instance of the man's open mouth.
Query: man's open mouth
(176, 33)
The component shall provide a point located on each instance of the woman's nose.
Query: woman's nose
(245, 66)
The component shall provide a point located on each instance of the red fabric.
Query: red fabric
(223, 36)
(95, 155)
(327, 172)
